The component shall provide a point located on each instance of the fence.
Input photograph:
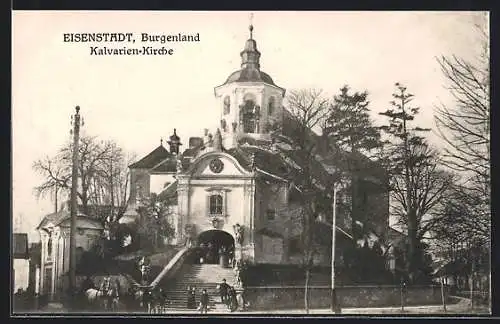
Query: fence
(292, 297)
(478, 297)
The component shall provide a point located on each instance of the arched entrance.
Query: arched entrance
(213, 244)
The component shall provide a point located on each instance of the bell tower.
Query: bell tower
(249, 100)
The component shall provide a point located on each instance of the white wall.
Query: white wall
(157, 182)
(234, 205)
(21, 274)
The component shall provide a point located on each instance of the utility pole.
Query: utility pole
(55, 198)
(335, 305)
(74, 206)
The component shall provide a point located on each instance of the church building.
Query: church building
(232, 185)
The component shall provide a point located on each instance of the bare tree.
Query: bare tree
(306, 110)
(102, 174)
(460, 217)
(465, 129)
(429, 187)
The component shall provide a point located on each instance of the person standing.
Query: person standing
(231, 257)
(223, 290)
(106, 292)
(204, 302)
(191, 298)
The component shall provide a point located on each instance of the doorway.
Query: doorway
(214, 244)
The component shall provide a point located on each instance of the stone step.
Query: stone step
(206, 276)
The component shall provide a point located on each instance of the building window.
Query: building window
(270, 107)
(271, 214)
(49, 248)
(227, 105)
(215, 205)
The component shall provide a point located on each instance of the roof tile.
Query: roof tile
(20, 245)
(152, 159)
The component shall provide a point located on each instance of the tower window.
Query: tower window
(250, 117)
(227, 105)
(215, 205)
(270, 107)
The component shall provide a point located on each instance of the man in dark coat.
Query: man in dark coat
(204, 302)
(191, 299)
(223, 289)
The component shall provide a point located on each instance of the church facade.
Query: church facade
(233, 185)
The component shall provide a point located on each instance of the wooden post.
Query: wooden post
(334, 302)
(443, 294)
(472, 284)
(402, 288)
(74, 205)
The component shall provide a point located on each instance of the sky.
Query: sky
(137, 100)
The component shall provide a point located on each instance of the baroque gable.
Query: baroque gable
(217, 164)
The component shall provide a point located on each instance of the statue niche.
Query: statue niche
(239, 232)
(223, 125)
(227, 105)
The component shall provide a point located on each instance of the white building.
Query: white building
(54, 232)
(235, 180)
(21, 262)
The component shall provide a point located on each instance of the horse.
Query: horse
(93, 297)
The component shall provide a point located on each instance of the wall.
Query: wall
(157, 182)
(21, 274)
(60, 253)
(263, 298)
(378, 211)
(234, 206)
(236, 91)
(271, 250)
(139, 184)
(233, 183)
(375, 209)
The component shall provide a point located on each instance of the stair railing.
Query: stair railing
(172, 266)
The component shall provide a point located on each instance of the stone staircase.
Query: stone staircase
(206, 276)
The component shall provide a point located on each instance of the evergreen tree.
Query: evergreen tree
(349, 127)
(407, 151)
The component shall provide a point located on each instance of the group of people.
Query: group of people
(204, 299)
(227, 294)
(108, 292)
(210, 253)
